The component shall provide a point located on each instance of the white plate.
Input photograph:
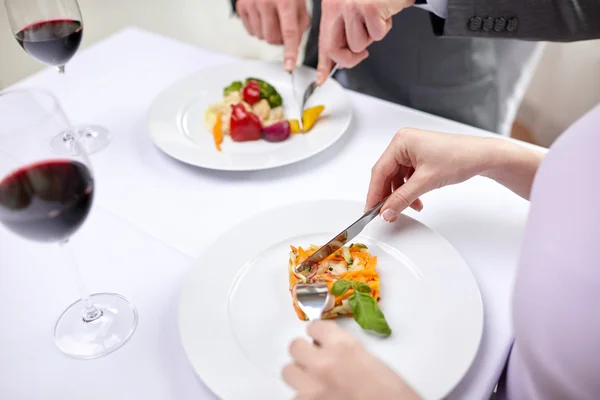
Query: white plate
(176, 119)
(236, 318)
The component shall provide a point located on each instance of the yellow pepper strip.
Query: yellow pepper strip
(218, 133)
(309, 117)
(295, 126)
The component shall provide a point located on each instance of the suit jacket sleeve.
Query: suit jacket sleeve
(546, 20)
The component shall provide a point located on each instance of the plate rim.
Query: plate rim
(180, 317)
(195, 162)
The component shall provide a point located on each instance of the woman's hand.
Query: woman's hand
(418, 161)
(340, 368)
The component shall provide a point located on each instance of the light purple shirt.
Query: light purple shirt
(438, 7)
(556, 300)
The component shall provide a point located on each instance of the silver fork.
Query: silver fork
(312, 299)
(308, 92)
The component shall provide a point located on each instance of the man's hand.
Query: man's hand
(348, 27)
(277, 22)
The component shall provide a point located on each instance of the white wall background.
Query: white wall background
(565, 85)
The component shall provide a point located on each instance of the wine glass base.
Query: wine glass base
(93, 137)
(87, 340)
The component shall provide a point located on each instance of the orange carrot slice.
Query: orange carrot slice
(218, 133)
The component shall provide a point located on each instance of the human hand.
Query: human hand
(277, 22)
(418, 161)
(340, 368)
(348, 27)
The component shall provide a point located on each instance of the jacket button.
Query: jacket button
(475, 23)
(512, 24)
(488, 24)
(499, 24)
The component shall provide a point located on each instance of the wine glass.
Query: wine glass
(46, 198)
(51, 32)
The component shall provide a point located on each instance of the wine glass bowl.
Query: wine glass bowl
(46, 198)
(47, 201)
(51, 32)
(52, 42)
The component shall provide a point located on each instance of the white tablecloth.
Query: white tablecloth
(153, 216)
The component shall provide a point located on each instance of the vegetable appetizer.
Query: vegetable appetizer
(253, 110)
(352, 278)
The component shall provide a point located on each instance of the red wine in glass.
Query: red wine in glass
(47, 198)
(52, 42)
(47, 201)
(51, 31)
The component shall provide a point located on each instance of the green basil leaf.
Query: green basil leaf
(361, 287)
(340, 287)
(367, 313)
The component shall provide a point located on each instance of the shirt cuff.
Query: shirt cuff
(438, 7)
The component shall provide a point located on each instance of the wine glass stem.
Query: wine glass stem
(90, 311)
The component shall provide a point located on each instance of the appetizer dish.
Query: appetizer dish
(253, 110)
(353, 282)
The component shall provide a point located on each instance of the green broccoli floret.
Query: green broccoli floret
(233, 87)
(275, 100)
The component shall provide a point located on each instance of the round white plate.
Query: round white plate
(176, 119)
(236, 318)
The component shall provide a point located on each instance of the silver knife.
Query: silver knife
(340, 240)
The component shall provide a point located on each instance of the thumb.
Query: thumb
(394, 7)
(404, 197)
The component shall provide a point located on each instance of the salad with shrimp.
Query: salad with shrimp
(351, 276)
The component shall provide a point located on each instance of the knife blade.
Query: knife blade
(340, 240)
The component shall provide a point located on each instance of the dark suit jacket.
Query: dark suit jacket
(547, 20)
(542, 20)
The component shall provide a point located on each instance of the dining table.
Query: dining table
(153, 216)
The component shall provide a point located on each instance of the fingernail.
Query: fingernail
(319, 77)
(288, 64)
(389, 215)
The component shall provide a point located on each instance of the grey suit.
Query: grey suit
(452, 77)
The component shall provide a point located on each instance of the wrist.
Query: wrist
(513, 166)
(504, 156)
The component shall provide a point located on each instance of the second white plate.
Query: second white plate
(236, 317)
(176, 118)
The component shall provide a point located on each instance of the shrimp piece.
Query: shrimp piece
(225, 122)
(262, 110)
(233, 98)
(276, 114)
